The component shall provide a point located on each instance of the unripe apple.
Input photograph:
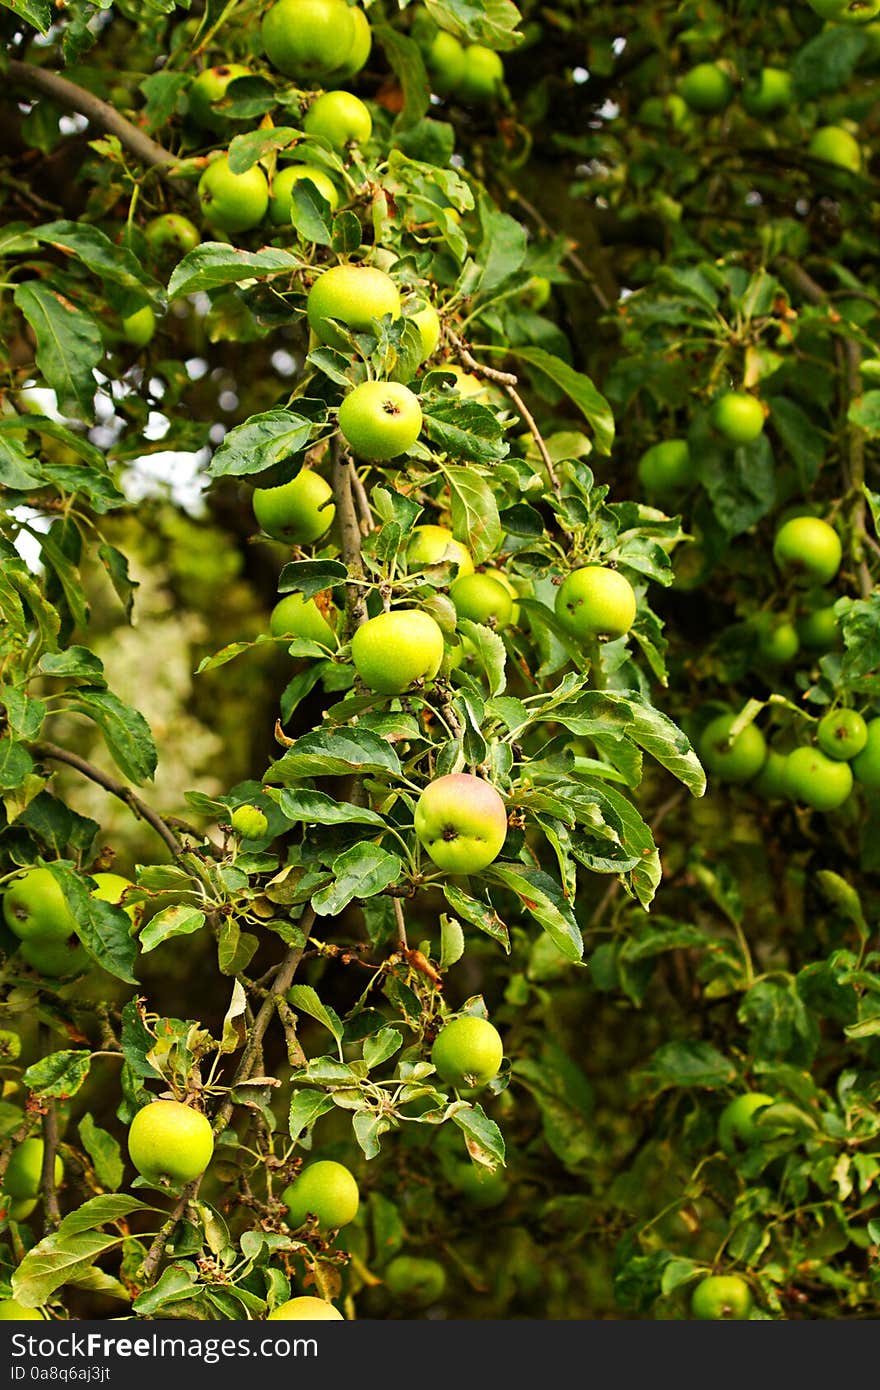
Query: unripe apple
(461, 822)
(446, 61)
(778, 641)
(354, 295)
(724, 1297)
(846, 11)
(818, 628)
(380, 420)
(666, 466)
(468, 1052)
(480, 1187)
(737, 760)
(481, 599)
(233, 202)
(596, 601)
(295, 616)
(806, 546)
(139, 327)
(707, 88)
(340, 118)
(436, 545)
(418, 1282)
(835, 145)
(394, 650)
(736, 1123)
(313, 1309)
(427, 321)
(283, 186)
(867, 765)
(210, 87)
(816, 780)
(771, 782)
(842, 734)
(298, 512)
(170, 234)
(326, 1190)
(483, 76)
(35, 907)
(739, 416)
(23, 1173)
(308, 39)
(169, 1142)
(768, 93)
(249, 822)
(13, 1311)
(359, 51)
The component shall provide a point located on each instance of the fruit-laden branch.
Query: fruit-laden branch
(48, 1190)
(508, 382)
(349, 535)
(813, 292)
(100, 113)
(253, 1050)
(110, 784)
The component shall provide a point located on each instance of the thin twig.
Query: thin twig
(343, 471)
(99, 113)
(362, 503)
(48, 1190)
(508, 382)
(402, 942)
(243, 1072)
(110, 784)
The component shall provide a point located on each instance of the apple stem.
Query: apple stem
(402, 941)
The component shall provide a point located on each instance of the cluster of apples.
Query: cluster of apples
(35, 910)
(820, 775)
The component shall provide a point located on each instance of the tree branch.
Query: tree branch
(48, 1190)
(349, 535)
(110, 784)
(253, 1050)
(100, 113)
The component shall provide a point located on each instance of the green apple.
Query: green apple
(468, 1052)
(596, 601)
(835, 145)
(436, 545)
(21, 1209)
(842, 734)
(706, 88)
(380, 420)
(249, 822)
(808, 548)
(326, 1190)
(139, 327)
(394, 650)
(110, 888)
(308, 39)
(771, 782)
(340, 118)
(169, 1142)
(53, 958)
(12, 1311)
(283, 185)
(312, 1309)
(354, 295)
(446, 62)
(736, 1123)
(666, 467)
(739, 416)
(818, 627)
(483, 77)
(298, 512)
(481, 599)
(816, 780)
(418, 1282)
(778, 641)
(480, 1187)
(722, 1296)
(427, 321)
(867, 765)
(25, 1169)
(210, 87)
(359, 51)
(461, 821)
(769, 93)
(171, 235)
(846, 11)
(35, 908)
(295, 616)
(233, 202)
(735, 761)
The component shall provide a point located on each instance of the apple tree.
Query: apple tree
(520, 366)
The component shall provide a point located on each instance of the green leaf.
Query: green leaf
(104, 930)
(178, 920)
(215, 263)
(636, 839)
(827, 62)
(503, 247)
(741, 483)
(311, 214)
(451, 941)
(689, 1064)
(75, 662)
(305, 1000)
(173, 1286)
(99, 254)
(59, 828)
(483, 1138)
(56, 1260)
(36, 12)
(68, 575)
(309, 577)
(657, 735)
(360, 872)
(474, 512)
(235, 948)
(316, 808)
(233, 1033)
(464, 430)
(126, 732)
(15, 763)
(258, 444)
(60, 1074)
(104, 1152)
(490, 653)
(578, 387)
(246, 150)
(69, 345)
(305, 1108)
(543, 898)
(101, 1211)
(489, 22)
(406, 62)
(116, 567)
(335, 753)
(381, 1046)
(844, 897)
(480, 915)
(565, 1098)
